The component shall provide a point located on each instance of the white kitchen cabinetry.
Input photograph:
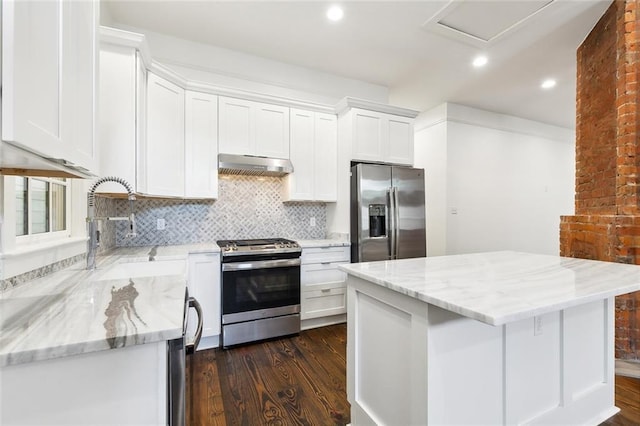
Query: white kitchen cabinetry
(49, 52)
(201, 145)
(253, 128)
(314, 144)
(164, 154)
(323, 290)
(121, 126)
(381, 137)
(125, 386)
(157, 136)
(204, 284)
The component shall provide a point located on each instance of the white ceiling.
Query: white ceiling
(408, 46)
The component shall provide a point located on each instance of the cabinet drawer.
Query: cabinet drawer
(322, 303)
(321, 273)
(326, 254)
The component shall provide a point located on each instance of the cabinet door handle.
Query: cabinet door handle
(325, 290)
(325, 263)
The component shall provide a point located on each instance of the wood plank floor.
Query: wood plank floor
(301, 381)
(628, 400)
(293, 381)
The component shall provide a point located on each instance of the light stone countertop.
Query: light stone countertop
(75, 311)
(501, 287)
(322, 243)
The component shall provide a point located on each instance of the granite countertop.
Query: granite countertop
(501, 287)
(76, 311)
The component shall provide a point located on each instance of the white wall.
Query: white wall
(494, 182)
(430, 153)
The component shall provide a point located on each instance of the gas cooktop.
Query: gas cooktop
(267, 245)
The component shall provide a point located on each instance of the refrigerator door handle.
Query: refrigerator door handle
(391, 223)
(396, 223)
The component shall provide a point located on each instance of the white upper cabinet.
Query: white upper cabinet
(123, 82)
(326, 157)
(398, 139)
(314, 156)
(201, 145)
(49, 51)
(236, 130)
(381, 137)
(253, 128)
(367, 135)
(271, 131)
(159, 137)
(164, 154)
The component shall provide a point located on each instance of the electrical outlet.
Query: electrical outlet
(537, 326)
(312, 221)
(160, 224)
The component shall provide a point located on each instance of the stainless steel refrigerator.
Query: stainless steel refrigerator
(387, 213)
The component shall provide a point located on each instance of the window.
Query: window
(41, 206)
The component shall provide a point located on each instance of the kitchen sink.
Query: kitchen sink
(126, 270)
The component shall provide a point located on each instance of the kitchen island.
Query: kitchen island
(485, 338)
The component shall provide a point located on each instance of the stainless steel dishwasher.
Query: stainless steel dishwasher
(177, 350)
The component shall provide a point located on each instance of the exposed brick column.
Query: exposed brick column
(607, 205)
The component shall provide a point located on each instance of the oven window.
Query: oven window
(254, 289)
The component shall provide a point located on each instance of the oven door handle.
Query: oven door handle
(260, 264)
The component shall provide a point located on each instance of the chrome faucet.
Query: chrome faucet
(94, 234)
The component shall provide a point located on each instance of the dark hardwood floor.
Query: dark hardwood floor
(293, 381)
(628, 400)
(301, 381)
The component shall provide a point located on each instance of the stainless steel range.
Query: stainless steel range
(260, 289)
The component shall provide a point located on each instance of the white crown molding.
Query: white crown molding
(127, 39)
(138, 41)
(348, 102)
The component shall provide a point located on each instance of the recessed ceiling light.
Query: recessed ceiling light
(480, 61)
(335, 13)
(548, 83)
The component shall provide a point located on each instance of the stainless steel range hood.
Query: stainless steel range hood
(230, 164)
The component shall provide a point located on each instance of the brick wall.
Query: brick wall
(607, 221)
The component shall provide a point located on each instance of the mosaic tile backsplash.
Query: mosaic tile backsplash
(247, 207)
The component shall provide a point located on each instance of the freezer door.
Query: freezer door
(409, 212)
(370, 227)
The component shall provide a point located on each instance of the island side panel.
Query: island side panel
(386, 356)
(465, 370)
(586, 353)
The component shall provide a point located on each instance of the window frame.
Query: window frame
(31, 255)
(48, 236)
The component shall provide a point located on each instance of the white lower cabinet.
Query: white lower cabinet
(204, 284)
(126, 386)
(323, 293)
